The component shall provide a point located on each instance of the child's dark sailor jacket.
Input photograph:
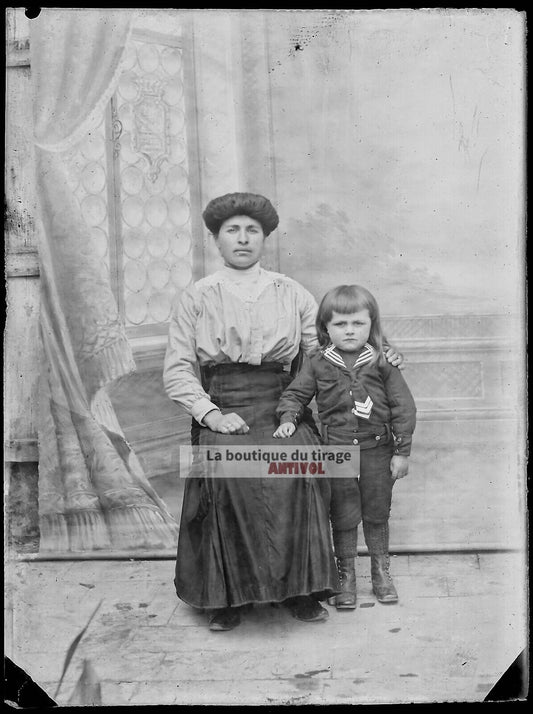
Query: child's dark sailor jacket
(360, 405)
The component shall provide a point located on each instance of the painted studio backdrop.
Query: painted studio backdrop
(391, 143)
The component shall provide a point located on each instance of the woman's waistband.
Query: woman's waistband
(238, 383)
(241, 367)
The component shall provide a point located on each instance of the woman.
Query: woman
(232, 339)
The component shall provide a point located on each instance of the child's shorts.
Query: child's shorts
(368, 498)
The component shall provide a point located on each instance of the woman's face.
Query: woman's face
(240, 241)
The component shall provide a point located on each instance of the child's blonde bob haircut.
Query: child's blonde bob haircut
(346, 299)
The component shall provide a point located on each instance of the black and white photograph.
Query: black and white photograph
(250, 256)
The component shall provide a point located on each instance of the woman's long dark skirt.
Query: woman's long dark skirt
(260, 539)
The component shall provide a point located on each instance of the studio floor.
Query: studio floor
(460, 623)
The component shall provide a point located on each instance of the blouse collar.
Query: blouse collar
(239, 276)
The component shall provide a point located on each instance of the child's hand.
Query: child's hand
(285, 430)
(399, 466)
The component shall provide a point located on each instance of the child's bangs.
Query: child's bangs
(346, 302)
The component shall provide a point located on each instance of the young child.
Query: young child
(362, 400)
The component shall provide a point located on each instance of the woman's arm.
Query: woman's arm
(308, 310)
(180, 374)
(181, 369)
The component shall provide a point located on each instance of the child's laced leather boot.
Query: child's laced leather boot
(345, 545)
(346, 599)
(377, 540)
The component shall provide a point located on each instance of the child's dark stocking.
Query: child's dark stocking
(377, 540)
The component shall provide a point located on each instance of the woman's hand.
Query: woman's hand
(395, 358)
(225, 423)
(399, 466)
(285, 430)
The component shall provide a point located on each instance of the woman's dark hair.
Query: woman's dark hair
(240, 204)
(346, 299)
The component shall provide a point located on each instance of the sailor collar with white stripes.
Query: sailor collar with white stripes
(367, 354)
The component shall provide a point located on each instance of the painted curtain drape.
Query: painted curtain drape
(93, 493)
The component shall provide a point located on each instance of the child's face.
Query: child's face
(349, 332)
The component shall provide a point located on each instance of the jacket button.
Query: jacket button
(378, 438)
(355, 441)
